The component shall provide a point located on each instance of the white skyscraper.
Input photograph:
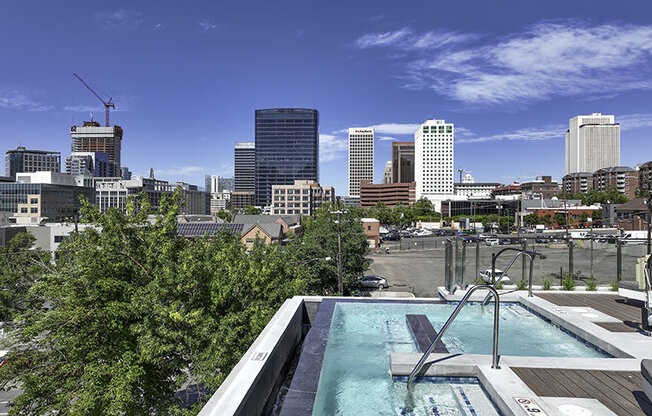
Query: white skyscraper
(361, 158)
(592, 143)
(433, 161)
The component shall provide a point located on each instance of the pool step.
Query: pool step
(424, 333)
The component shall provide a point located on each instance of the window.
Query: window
(23, 210)
(33, 210)
(58, 238)
(33, 200)
(368, 227)
(250, 240)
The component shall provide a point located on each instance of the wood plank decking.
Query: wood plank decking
(620, 391)
(612, 305)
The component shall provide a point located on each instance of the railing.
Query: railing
(531, 254)
(450, 320)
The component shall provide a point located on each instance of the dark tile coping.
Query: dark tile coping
(300, 398)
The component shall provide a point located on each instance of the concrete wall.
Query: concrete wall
(247, 389)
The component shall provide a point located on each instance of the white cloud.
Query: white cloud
(121, 20)
(387, 139)
(551, 59)
(331, 147)
(17, 100)
(205, 26)
(382, 39)
(526, 134)
(634, 121)
(83, 109)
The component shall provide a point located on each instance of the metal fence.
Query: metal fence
(585, 260)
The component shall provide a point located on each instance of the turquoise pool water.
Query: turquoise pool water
(355, 377)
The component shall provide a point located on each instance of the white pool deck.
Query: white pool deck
(250, 378)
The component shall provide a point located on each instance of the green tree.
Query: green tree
(131, 311)
(19, 267)
(545, 220)
(583, 218)
(423, 208)
(381, 213)
(319, 242)
(531, 220)
(225, 215)
(560, 219)
(402, 215)
(252, 210)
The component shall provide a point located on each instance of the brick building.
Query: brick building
(388, 193)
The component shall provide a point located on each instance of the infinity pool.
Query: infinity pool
(355, 377)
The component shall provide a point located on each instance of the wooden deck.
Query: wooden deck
(612, 305)
(620, 391)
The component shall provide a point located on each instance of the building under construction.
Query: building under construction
(91, 137)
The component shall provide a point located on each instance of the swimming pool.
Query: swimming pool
(355, 376)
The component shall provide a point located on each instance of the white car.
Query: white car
(423, 232)
(493, 241)
(485, 275)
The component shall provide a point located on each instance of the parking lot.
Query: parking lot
(416, 265)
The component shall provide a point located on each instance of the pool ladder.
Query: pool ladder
(494, 256)
(450, 320)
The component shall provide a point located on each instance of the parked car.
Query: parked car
(542, 240)
(492, 241)
(487, 235)
(471, 239)
(422, 233)
(485, 275)
(392, 236)
(373, 281)
(505, 241)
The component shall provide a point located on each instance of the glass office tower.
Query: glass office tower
(287, 149)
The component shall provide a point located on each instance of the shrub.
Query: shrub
(521, 285)
(500, 286)
(568, 283)
(547, 284)
(614, 286)
(591, 285)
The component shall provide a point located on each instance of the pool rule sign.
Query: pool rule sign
(530, 406)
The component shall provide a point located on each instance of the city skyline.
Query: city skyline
(185, 89)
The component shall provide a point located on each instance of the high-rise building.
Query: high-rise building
(433, 160)
(592, 143)
(287, 149)
(244, 178)
(193, 201)
(91, 137)
(391, 194)
(361, 158)
(113, 192)
(387, 174)
(92, 163)
(25, 160)
(216, 184)
(402, 162)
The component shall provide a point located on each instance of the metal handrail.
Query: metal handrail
(450, 320)
(531, 254)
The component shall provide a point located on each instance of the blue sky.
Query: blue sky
(187, 77)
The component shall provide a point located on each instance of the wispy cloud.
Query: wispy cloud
(634, 121)
(120, 20)
(526, 134)
(17, 100)
(382, 39)
(205, 26)
(406, 39)
(331, 147)
(387, 139)
(550, 59)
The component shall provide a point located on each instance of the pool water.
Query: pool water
(356, 380)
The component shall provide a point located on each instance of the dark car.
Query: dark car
(392, 237)
(542, 240)
(373, 281)
(471, 239)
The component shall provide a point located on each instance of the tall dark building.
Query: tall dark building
(402, 162)
(287, 149)
(22, 160)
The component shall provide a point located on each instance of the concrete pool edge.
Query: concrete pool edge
(503, 385)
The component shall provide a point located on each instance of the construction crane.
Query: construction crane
(107, 105)
(461, 171)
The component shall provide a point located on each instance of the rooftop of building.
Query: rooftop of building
(614, 169)
(290, 219)
(636, 204)
(21, 149)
